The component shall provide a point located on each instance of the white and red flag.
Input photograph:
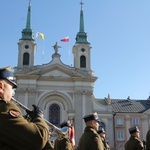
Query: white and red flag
(66, 39)
(72, 135)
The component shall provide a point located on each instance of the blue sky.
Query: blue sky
(118, 30)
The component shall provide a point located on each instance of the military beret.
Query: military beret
(101, 131)
(91, 117)
(7, 74)
(65, 124)
(134, 129)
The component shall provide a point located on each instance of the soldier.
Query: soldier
(102, 134)
(134, 143)
(148, 140)
(90, 140)
(16, 133)
(64, 142)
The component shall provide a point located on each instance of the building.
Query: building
(65, 92)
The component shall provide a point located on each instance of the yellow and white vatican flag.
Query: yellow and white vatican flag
(40, 35)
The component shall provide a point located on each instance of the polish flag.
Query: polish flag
(65, 39)
(72, 136)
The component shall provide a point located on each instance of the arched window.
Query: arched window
(54, 114)
(102, 125)
(83, 61)
(26, 58)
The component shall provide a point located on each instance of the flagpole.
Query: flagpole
(43, 52)
(69, 53)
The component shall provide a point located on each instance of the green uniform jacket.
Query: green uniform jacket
(90, 140)
(134, 144)
(148, 140)
(16, 133)
(106, 146)
(48, 146)
(63, 144)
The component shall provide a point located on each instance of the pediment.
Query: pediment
(56, 71)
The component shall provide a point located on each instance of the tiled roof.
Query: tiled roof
(130, 106)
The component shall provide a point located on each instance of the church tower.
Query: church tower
(82, 48)
(26, 45)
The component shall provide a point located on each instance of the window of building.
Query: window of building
(120, 136)
(26, 58)
(83, 62)
(135, 122)
(54, 114)
(120, 122)
(82, 50)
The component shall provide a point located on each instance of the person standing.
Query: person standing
(102, 134)
(148, 140)
(16, 133)
(64, 142)
(134, 143)
(90, 140)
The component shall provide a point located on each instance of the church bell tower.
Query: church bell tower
(26, 45)
(82, 49)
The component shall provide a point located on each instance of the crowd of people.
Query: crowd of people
(31, 132)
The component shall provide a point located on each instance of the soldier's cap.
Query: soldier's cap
(7, 74)
(133, 130)
(101, 131)
(65, 124)
(91, 117)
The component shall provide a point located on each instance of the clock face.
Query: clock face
(26, 46)
(83, 50)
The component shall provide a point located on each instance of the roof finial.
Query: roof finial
(81, 4)
(56, 47)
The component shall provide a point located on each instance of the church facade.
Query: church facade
(65, 92)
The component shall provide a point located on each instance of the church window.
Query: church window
(26, 46)
(82, 50)
(26, 58)
(54, 114)
(83, 61)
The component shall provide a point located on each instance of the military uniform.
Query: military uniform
(48, 146)
(134, 143)
(148, 140)
(102, 131)
(63, 144)
(16, 133)
(106, 146)
(90, 140)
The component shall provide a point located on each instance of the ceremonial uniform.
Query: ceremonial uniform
(134, 143)
(63, 143)
(16, 133)
(48, 146)
(90, 140)
(148, 140)
(102, 134)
